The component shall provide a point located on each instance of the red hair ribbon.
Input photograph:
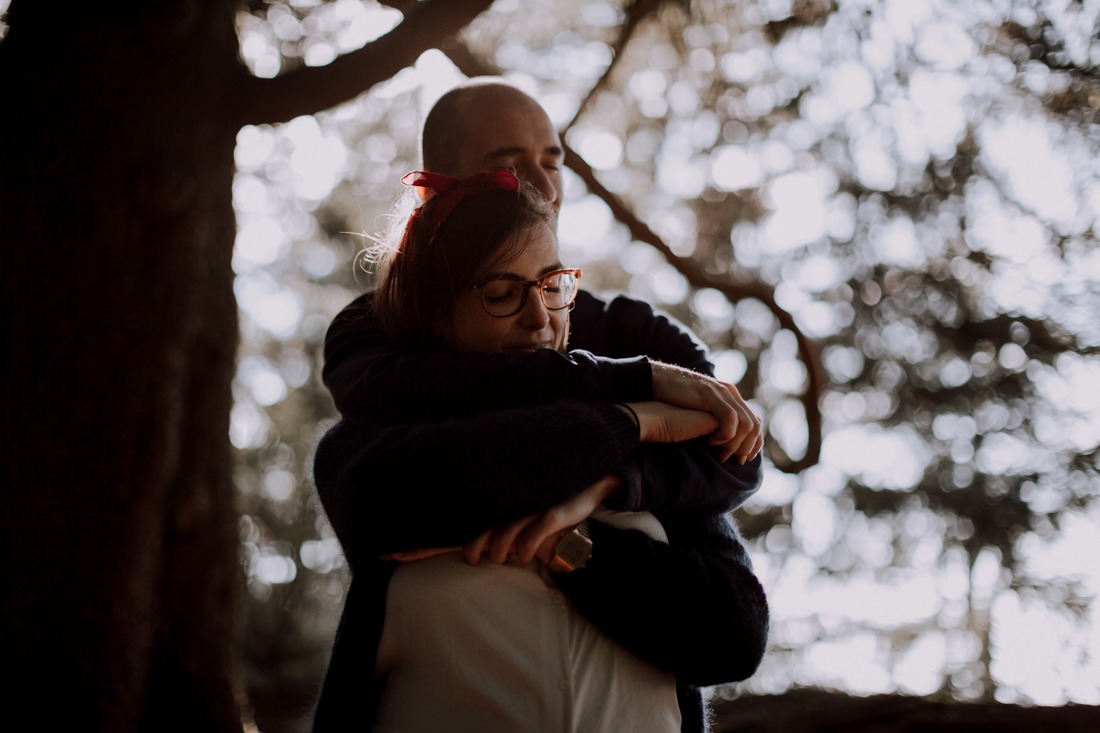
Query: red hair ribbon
(451, 190)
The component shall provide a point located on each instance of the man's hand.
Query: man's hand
(538, 534)
(660, 422)
(739, 432)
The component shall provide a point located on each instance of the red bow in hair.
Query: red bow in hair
(451, 190)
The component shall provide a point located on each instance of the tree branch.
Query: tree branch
(471, 66)
(734, 292)
(635, 13)
(433, 24)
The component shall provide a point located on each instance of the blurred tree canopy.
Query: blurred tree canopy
(885, 210)
(881, 215)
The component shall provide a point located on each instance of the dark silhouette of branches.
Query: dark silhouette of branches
(636, 12)
(306, 90)
(734, 292)
(693, 272)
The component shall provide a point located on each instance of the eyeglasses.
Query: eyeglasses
(506, 295)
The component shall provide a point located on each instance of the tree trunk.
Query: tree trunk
(119, 579)
(118, 573)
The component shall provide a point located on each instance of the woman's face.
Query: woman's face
(534, 327)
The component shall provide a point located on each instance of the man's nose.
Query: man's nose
(543, 180)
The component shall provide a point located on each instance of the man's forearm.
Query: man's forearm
(439, 484)
(369, 376)
(688, 477)
(692, 607)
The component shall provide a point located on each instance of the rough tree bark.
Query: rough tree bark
(118, 524)
(118, 572)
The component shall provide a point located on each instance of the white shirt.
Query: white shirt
(497, 648)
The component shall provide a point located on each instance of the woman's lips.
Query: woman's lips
(529, 348)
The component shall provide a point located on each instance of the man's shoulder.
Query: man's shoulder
(611, 304)
(617, 325)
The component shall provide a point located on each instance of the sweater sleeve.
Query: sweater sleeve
(393, 487)
(688, 476)
(622, 326)
(692, 606)
(369, 376)
(663, 476)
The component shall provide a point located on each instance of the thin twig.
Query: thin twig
(734, 292)
(471, 66)
(635, 13)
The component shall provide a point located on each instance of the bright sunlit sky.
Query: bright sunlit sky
(839, 623)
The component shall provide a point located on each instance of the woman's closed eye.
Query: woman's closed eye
(499, 291)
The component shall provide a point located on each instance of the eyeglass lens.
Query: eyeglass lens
(507, 297)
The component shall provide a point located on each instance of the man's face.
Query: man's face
(507, 129)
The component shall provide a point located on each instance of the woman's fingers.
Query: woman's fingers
(413, 555)
(473, 550)
(535, 535)
(504, 538)
(544, 532)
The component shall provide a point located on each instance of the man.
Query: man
(487, 125)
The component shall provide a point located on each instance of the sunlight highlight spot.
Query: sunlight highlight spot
(262, 380)
(733, 168)
(798, 210)
(583, 229)
(600, 148)
(1036, 171)
(259, 242)
(886, 458)
(318, 159)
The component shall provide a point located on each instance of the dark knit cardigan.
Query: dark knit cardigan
(692, 607)
(373, 379)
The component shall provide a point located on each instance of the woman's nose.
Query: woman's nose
(534, 315)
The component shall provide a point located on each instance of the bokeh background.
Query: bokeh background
(915, 182)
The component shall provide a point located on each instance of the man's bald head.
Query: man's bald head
(487, 123)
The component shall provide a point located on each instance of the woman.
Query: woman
(492, 648)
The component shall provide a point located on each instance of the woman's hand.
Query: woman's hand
(538, 534)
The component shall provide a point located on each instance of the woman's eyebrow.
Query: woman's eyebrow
(503, 274)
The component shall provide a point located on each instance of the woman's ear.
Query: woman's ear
(443, 327)
(423, 193)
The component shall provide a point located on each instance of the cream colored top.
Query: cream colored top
(498, 649)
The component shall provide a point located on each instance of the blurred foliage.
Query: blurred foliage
(918, 183)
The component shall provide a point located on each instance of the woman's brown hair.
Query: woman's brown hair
(434, 262)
